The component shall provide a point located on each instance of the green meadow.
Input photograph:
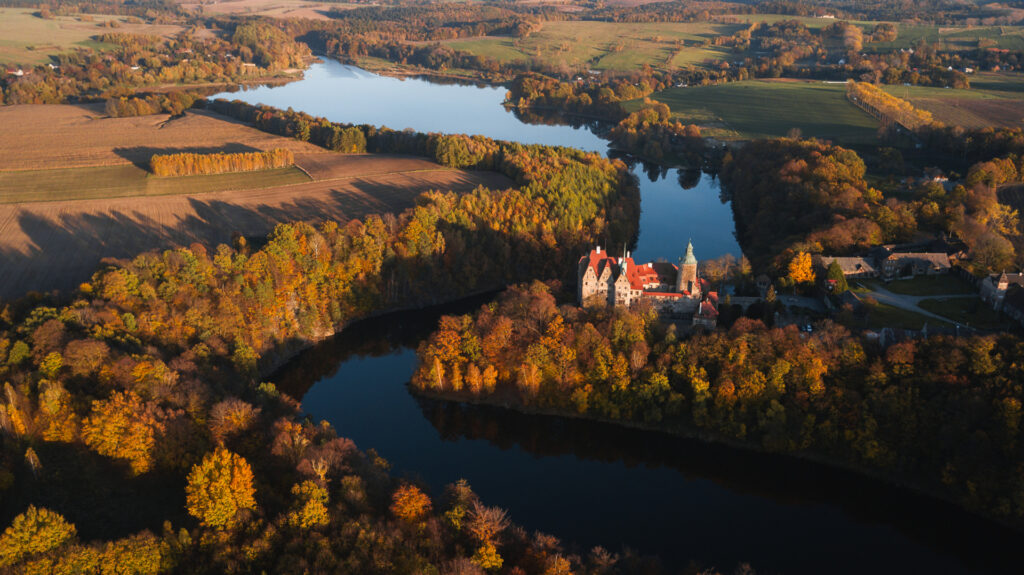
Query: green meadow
(770, 108)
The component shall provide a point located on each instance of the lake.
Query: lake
(595, 484)
(670, 214)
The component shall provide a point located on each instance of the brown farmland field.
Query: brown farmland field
(271, 8)
(58, 244)
(41, 137)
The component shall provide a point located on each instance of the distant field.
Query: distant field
(993, 100)
(607, 45)
(953, 37)
(770, 108)
(26, 39)
(272, 8)
(811, 22)
(73, 190)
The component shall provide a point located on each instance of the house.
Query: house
(995, 287)
(853, 267)
(672, 290)
(910, 264)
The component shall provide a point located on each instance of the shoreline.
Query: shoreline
(281, 359)
(713, 438)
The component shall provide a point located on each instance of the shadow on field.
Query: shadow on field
(58, 245)
(140, 155)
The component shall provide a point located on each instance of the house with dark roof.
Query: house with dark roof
(911, 264)
(853, 267)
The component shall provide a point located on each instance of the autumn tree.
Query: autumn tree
(35, 531)
(410, 504)
(219, 488)
(124, 427)
(310, 506)
(801, 268)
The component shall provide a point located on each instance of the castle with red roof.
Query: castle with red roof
(672, 290)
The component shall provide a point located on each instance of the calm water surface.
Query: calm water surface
(670, 214)
(596, 484)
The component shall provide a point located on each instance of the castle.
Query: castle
(675, 291)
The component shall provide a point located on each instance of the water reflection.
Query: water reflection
(599, 484)
(670, 213)
(591, 483)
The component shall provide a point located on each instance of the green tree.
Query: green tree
(835, 272)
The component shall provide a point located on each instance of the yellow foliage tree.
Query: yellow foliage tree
(141, 554)
(219, 487)
(311, 505)
(37, 530)
(801, 269)
(410, 504)
(487, 557)
(123, 427)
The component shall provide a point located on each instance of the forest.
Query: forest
(150, 379)
(942, 414)
(834, 210)
(145, 389)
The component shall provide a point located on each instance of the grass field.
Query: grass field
(811, 22)
(882, 315)
(26, 39)
(609, 46)
(952, 38)
(925, 285)
(994, 100)
(770, 108)
(969, 311)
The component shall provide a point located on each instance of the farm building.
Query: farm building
(853, 267)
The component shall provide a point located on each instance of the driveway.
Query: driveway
(909, 302)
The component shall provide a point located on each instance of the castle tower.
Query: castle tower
(687, 281)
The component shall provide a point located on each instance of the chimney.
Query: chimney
(598, 249)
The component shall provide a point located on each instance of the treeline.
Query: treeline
(173, 103)
(830, 207)
(268, 46)
(145, 390)
(187, 164)
(942, 414)
(599, 97)
(256, 49)
(444, 21)
(888, 108)
(650, 133)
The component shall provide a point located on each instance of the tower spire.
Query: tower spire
(689, 258)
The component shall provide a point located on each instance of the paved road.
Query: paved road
(909, 302)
